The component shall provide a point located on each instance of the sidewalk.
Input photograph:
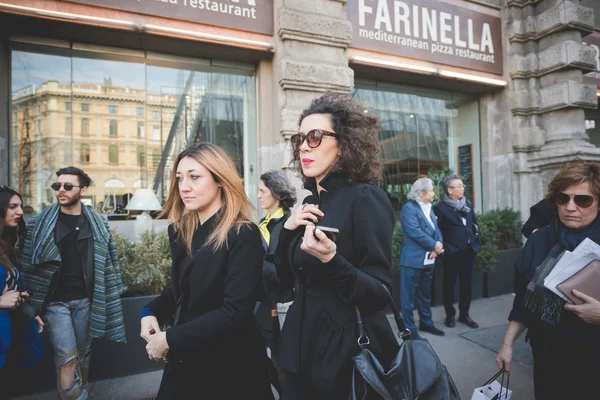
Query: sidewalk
(469, 354)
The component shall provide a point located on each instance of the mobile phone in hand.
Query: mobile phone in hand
(331, 233)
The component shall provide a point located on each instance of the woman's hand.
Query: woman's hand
(12, 299)
(317, 244)
(157, 346)
(39, 323)
(307, 214)
(149, 323)
(589, 311)
(504, 357)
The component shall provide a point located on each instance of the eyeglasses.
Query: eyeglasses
(457, 187)
(582, 200)
(68, 186)
(313, 138)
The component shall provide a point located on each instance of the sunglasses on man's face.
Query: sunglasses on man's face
(68, 186)
(581, 200)
(313, 138)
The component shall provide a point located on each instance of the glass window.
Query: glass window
(141, 156)
(113, 154)
(141, 133)
(423, 131)
(68, 126)
(85, 153)
(68, 106)
(85, 127)
(186, 102)
(114, 128)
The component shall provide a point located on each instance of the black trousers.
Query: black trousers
(458, 265)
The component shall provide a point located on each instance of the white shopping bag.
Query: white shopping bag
(492, 392)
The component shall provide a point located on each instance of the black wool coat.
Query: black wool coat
(320, 334)
(214, 345)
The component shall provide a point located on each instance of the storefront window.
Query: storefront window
(425, 132)
(115, 99)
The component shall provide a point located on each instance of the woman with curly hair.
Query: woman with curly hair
(335, 152)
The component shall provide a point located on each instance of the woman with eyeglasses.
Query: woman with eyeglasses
(565, 338)
(335, 153)
(20, 328)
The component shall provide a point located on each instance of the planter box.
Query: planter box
(109, 359)
(502, 281)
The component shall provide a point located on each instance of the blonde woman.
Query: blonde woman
(213, 345)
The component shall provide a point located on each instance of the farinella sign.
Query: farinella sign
(246, 15)
(428, 30)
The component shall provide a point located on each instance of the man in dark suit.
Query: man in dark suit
(458, 224)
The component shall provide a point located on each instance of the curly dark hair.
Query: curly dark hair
(358, 139)
(11, 239)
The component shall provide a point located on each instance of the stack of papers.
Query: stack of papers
(570, 264)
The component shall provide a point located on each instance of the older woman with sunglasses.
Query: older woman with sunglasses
(336, 155)
(565, 338)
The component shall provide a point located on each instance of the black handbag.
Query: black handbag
(415, 372)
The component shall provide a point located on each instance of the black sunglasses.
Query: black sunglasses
(57, 185)
(582, 200)
(313, 138)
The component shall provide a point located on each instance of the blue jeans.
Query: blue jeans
(416, 283)
(68, 328)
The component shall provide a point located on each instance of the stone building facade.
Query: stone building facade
(520, 119)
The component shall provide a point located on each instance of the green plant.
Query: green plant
(397, 238)
(145, 265)
(500, 230)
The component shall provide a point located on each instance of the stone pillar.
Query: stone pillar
(312, 38)
(547, 97)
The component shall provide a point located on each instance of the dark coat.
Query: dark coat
(274, 291)
(567, 354)
(214, 345)
(319, 337)
(541, 214)
(457, 236)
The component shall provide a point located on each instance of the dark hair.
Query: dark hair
(84, 179)
(447, 180)
(357, 131)
(572, 174)
(280, 188)
(11, 239)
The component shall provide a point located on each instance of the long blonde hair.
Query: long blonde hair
(236, 206)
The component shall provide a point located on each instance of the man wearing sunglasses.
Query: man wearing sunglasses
(70, 264)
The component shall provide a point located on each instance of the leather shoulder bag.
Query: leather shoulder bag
(415, 372)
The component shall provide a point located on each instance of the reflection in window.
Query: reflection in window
(140, 130)
(85, 153)
(113, 154)
(85, 127)
(216, 105)
(155, 157)
(68, 126)
(114, 128)
(141, 156)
